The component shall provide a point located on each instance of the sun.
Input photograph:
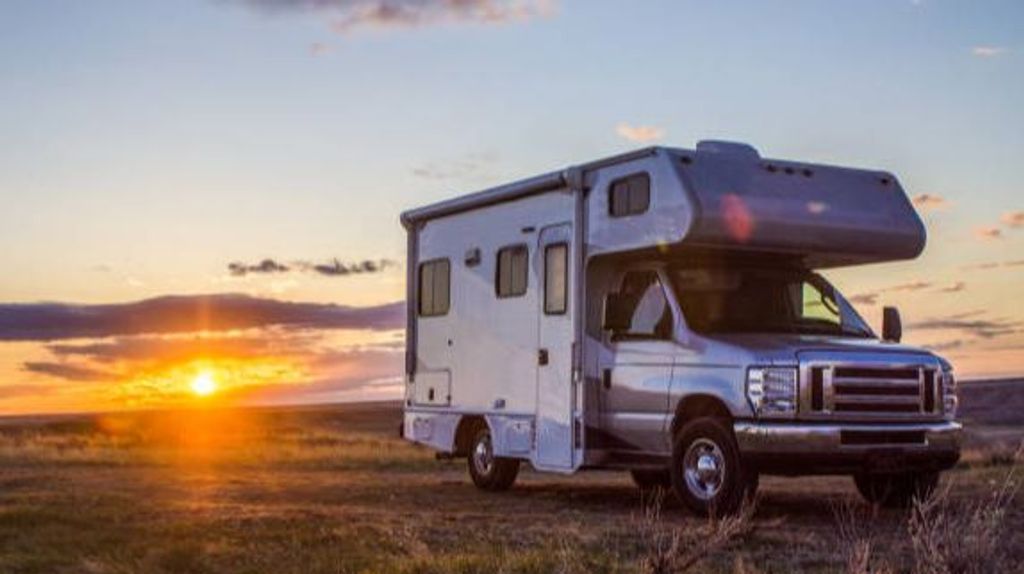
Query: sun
(204, 384)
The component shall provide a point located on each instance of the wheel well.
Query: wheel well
(694, 406)
(468, 427)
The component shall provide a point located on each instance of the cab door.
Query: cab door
(556, 392)
(636, 375)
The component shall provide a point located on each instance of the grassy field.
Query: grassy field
(333, 490)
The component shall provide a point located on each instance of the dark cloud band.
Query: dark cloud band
(183, 314)
(266, 266)
(347, 15)
(333, 268)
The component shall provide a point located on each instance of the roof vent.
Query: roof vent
(729, 148)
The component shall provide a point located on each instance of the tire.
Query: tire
(489, 472)
(647, 479)
(708, 475)
(896, 490)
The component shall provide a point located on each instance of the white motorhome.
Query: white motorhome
(661, 312)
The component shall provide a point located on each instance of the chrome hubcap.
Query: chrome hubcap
(483, 455)
(704, 468)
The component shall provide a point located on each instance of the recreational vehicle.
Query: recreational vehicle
(662, 312)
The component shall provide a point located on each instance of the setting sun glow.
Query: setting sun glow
(204, 384)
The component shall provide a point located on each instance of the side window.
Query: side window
(435, 288)
(651, 316)
(556, 279)
(630, 195)
(512, 272)
(816, 305)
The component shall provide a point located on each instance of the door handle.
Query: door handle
(606, 378)
(542, 357)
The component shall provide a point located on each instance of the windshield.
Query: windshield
(752, 300)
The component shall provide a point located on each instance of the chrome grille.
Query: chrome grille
(870, 390)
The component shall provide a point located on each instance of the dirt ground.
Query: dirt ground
(332, 489)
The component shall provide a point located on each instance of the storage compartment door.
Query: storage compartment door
(432, 388)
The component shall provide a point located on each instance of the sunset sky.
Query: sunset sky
(209, 189)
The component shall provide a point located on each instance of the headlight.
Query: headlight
(772, 391)
(949, 399)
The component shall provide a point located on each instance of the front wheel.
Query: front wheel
(490, 472)
(708, 475)
(896, 490)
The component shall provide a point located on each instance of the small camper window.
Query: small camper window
(556, 280)
(435, 278)
(630, 195)
(511, 275)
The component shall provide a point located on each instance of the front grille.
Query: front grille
(883, 391)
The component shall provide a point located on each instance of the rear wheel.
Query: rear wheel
(490, 472)
(647, 479)
(707, 473)
(896, 490)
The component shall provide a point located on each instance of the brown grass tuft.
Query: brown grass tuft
(951, 537)
(670, 550)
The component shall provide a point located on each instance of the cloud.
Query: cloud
(1013, 219)
(65, 371)
(864, 298)
(988, 51)
(966, 314)
(988, 233)
(28, 390)
(333, 268)
(266, 266)
(185, 314)
(954, 288)
(871, 297)
(929, 202)
(994, 265)
(474, 166)
(639, 134)
(337, 268)
(182, 348)
(945, 345)
(911, 286)
(980, 266)
(348, 15)
(982, 328)
(318, 49)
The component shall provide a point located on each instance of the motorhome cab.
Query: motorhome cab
(663, 312)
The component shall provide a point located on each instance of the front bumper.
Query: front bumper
(795, 448)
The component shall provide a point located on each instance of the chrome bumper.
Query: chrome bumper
(799, 438)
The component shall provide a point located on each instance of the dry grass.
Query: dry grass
(951, 536)
(946, 534)
(673, 550)
(334, 491)
(859, 545)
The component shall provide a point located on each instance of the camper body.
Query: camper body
(661, 312)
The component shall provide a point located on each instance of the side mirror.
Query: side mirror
(616, 313)
(892, 326)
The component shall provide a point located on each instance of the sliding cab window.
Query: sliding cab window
(649, 311)
(630, 195)
(556, 279)
(435, 288)
(512, 272)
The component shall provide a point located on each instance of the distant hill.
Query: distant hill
(996, 402)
